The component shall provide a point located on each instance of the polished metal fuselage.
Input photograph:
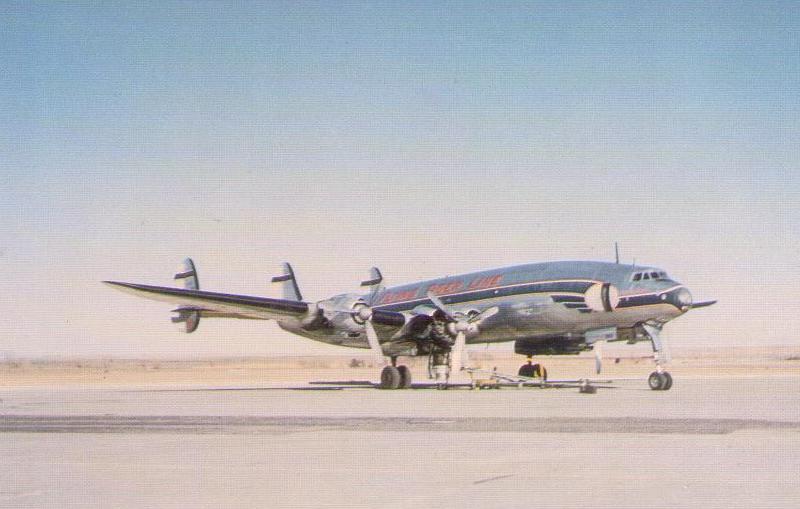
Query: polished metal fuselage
(534, 300)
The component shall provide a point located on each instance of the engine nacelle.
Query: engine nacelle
(338, 311)
(602, 297)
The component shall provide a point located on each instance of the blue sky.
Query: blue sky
(428, 139)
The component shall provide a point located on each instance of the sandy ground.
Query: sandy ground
(621, 361)
(231, 433)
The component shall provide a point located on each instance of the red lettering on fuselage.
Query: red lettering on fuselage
(478, 283)
(445, 288)
(398, 296)
(485, 282)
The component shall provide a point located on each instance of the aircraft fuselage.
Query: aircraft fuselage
(538, 300)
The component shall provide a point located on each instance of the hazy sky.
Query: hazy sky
(426, 139)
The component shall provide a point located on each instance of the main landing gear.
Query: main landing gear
(395, 377)
(531, 370)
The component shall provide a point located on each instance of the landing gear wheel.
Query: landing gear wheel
(405, 377)
(667, 381)
(660, 381)
(390, 378)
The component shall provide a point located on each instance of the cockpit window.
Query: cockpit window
(647, 276)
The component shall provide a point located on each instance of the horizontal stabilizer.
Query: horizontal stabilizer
(219, 303)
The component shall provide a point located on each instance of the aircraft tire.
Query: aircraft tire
(667, 381)
(390, 378)
(656, 381)
(405, 377)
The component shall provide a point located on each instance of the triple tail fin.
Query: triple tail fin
(375, 282)
(291, 291)
(188, 315)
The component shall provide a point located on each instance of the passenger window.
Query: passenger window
(646, 276)
(637, 276)
(654, 275)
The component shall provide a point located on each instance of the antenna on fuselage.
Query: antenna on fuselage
(616, 251)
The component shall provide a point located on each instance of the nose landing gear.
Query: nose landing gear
(660, 381)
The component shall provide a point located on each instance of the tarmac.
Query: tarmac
(708, 443)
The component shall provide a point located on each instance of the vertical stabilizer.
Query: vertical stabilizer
(291, 291)
(375, 277)
(189, 316)
(374, 283)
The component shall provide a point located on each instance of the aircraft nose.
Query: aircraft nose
(684, 297)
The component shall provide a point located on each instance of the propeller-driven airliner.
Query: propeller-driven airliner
(551, 308)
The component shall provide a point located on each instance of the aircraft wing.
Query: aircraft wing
(213, 304)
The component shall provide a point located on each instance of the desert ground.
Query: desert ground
(257, 433)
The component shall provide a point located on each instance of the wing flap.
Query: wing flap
(214, 303)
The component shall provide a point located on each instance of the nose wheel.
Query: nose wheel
(660, 381)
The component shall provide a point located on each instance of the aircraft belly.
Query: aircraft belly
(524, 321)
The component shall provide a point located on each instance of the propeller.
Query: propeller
(362, 313)
(458, 326)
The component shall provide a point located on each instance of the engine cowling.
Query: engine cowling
(342, 312)
(602, 297)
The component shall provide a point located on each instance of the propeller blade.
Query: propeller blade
(598, 356)
(441, 306)
(374, 344)
(457, 352)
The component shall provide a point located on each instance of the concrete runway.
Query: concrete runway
(706, 443)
